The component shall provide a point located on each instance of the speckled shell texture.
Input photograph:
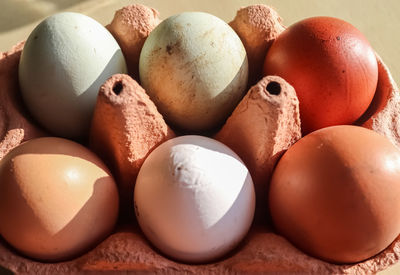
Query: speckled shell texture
(126, 250)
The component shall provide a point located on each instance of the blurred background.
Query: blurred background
(379, 20)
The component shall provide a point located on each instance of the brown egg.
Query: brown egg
(335, 194)
(332, 67)
(57, 199)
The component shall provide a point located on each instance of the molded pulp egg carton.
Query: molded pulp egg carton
(126, 249)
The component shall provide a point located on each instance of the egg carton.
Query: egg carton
(126, 127)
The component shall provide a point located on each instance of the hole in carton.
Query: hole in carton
(117, 88)
(274, 88)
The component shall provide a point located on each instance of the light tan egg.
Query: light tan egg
(57, 199)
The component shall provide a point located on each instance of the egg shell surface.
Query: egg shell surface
(332, 67)
(57, 199)
(335, 194)
(65, 60)
(194, 198)
(194, 67)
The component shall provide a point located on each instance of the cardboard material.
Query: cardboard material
(15, 124)
(126, 127)
(127, 250)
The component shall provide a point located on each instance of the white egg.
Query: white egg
(194, 198)
(194, 67)
(65, 60)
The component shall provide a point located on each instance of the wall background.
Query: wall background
(378, 20)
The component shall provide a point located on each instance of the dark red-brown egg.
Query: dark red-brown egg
(335, 194)
(332, 67)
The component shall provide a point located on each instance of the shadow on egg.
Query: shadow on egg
(221, 97)
(232, 249)
(94, 234)
(90, 235)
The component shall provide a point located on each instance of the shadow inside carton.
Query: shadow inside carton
(16, 125)
(382, 94)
